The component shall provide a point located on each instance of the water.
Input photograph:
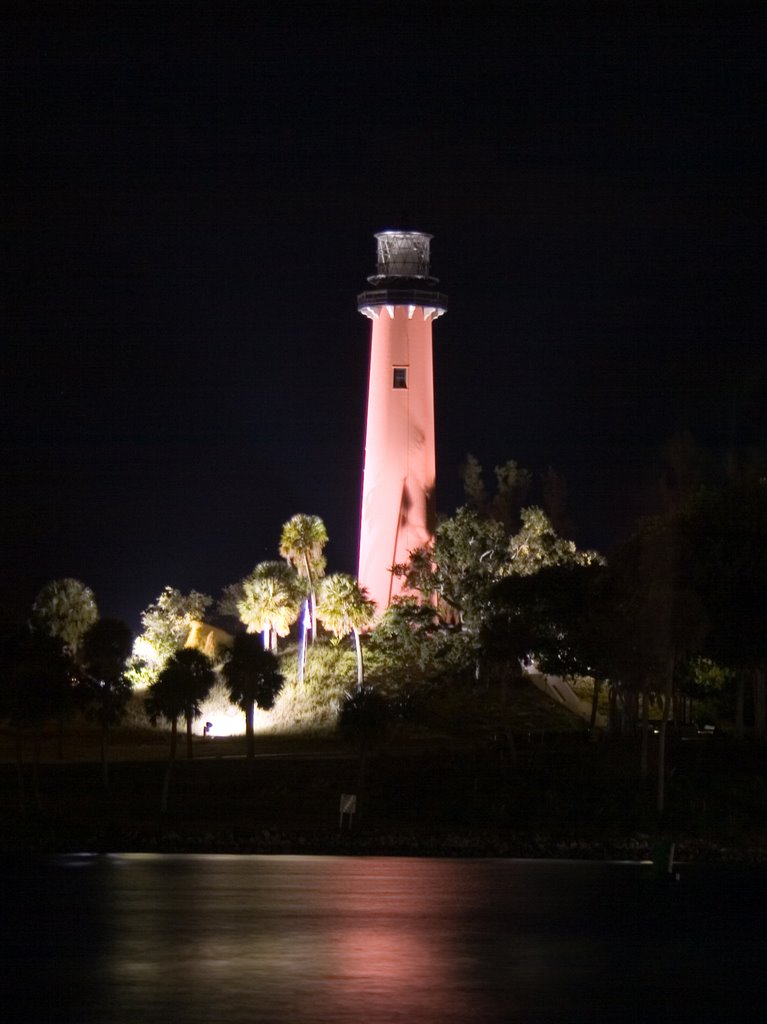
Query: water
(145, 938)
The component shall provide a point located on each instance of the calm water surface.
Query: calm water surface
(145, 938)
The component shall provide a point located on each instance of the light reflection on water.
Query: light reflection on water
(306, 939)
(145, 938)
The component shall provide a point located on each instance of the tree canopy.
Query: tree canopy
(270, 600)
(471, 553)
(345, 608)
(301, 544)
(167, 623)
(104, 655)
(105, 651)
(65, 608)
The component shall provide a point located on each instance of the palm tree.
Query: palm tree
(303, 538)
(252, 678)
(270, 601)
(105, 650)
(179, 691)
(345, 608)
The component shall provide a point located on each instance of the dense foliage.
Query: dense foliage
(65, 609)
(166, 624)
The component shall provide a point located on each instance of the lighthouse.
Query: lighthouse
(398, 508)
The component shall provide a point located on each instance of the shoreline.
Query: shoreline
(452, 844)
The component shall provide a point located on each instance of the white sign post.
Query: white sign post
(348, 806)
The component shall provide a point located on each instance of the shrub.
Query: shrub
(312, 706)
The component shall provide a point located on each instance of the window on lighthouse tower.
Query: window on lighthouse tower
(400, 377)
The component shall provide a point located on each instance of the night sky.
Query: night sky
(189, 196)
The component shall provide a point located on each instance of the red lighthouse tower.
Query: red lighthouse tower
(399, 477)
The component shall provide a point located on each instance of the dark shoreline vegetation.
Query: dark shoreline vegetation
(567, 796)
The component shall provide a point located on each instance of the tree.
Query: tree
(253, 680)
(664, 622)
(474, 484)
(558, 617)
(537, 545)
(65, 608)
(167, 623)
(411, 655)
(471, 553)
(464, 560)
(345, 608)
(701, 679)
(726, 529)
(407, 639)
(271, 600)
(301, 545)
(36, 679)
(104, 654)
(180, 690)
(512, 485)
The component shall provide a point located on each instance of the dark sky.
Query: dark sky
(189, 195)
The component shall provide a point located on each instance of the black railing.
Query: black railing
(401, 297)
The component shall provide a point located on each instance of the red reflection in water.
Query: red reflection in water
(305, 940)
(395, 952)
